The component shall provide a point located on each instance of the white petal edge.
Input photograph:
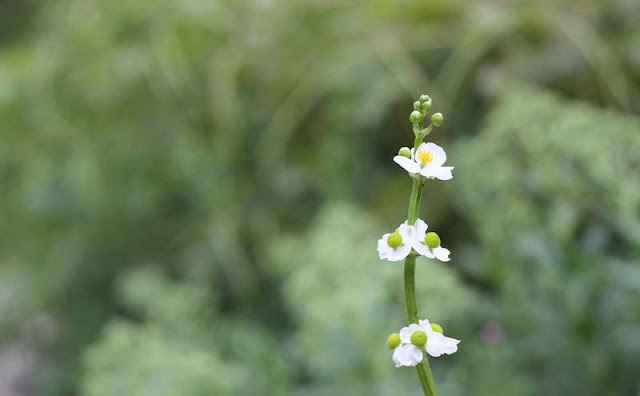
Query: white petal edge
(383, 247)
(443, 173)
(441, 253)
(422, 249)
(407, 164)
(407, 355)
(399, 253)
(421, 228)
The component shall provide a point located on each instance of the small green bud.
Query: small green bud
(432, 240)
(394, 240)
(425, 98)
(426, 107)
(393, 340)
(436, 327)
(437, 119)
(416, 116)
(405, 152)
(417, 105)
(419, 338)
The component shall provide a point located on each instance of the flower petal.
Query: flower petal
(439, 156)
(407, 355)
(443, 173)
(441, 253)
(421, 228)
(422, 249)
(406, 163)
(426, 326)
(438, 344)
(383, 247)
(407, 232)
(405, 335)
(399, 253)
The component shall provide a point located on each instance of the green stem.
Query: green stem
(424, 371)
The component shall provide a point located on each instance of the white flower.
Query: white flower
(437, 344)
(407, 354)
(427, 160)
(396, 246)
(420, 245)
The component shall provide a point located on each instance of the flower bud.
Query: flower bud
(417, 105)
(416, 116)
(432, 240)
(437, 119)
(419, 338)
(426, 107)
(393, 340)
(394, 240)
(405, 152)
(436, 327)
(425, 98)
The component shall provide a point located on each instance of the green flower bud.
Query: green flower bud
(437, 119)
(393, 340)
(419, 338)
(405, 152)
(425, 98)
(417, 105)
(426, 107)
(394, 240)
(432, 240)
(416, 116)
(436, 327)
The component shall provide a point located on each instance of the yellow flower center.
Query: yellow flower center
(425, 157)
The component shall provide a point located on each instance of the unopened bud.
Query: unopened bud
(437, 119)
(405, 152)
(416, 116)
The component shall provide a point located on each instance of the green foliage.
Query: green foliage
(192, 191)
(344, 302)
(554, 214)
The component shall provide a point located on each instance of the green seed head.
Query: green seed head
(394, 240)
(405, 152)
(416, 116)
(432, 240)
(419, 338)
(393, 340)
(437, 119)
(436, 327)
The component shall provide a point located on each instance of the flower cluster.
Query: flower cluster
(410, 344)
(398, 245)
(423, 162)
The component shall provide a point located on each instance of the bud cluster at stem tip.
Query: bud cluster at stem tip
(421, 109)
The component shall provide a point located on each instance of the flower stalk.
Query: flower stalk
(425, 161)
(423, 369)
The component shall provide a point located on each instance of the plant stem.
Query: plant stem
(424, 371)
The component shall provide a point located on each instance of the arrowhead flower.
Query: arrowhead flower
(407, 354)
(437, 344)
(427, 161)
(428, 244)
(416, 339)
(396, 246)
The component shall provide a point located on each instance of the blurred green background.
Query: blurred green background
(191, 193)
